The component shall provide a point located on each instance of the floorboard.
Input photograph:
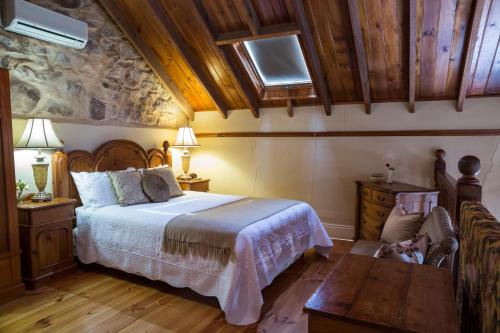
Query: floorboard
(97, 299)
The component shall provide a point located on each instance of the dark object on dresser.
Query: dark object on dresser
(46, 234)
(11, 286)
(366, 294)
(375, 201)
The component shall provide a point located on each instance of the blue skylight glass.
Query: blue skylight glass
(279, 60)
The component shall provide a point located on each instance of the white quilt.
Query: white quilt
(130, 239)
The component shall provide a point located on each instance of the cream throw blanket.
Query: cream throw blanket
(211, 233)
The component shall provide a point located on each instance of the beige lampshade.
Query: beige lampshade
(39, 134)
(186, 138)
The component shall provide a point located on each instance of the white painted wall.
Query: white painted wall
(322, 171)
(87, 137)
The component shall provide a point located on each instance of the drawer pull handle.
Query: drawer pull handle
(379, 198)
(381, 214)
(379, 227)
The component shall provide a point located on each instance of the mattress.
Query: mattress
(130, 239)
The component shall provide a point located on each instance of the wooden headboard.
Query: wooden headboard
(111, 156)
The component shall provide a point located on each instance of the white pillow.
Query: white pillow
(400, 226)
(95, 189)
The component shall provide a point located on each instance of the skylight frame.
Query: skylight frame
(265, 85)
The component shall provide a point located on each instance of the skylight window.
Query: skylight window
(279, 61)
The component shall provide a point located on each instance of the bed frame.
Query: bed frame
(111, 156)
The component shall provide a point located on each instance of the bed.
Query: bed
(130, 238)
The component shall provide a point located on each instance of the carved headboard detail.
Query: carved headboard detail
(111, 156)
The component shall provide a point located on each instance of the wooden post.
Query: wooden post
(439, 164)
(468, 187)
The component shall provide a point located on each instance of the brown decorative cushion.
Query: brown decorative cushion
(400, 226)
(155, 188)
(168, 176)
(411, 251)
(128, 188)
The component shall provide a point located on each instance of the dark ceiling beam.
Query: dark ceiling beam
(119, 17)
(289, 107)
(360, 53)
(471, 44)
(310, 49)
(412, 73)
(276, 30)
(247, 13)
(191, 59)
(225, 52)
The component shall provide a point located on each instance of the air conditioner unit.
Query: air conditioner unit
(31, 20)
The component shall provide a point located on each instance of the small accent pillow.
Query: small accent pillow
(95, 189)
(168, 176)
(155, 188)
(412, 251)
(400, 226)
(128, 188)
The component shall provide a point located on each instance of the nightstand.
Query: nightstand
(200, 185)
(46, 237)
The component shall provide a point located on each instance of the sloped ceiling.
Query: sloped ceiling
(212, 78)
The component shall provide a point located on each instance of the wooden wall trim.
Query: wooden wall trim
(462, 132)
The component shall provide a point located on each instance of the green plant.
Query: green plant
(21, 186)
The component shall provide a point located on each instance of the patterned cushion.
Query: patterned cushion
(168, 176)
(441, 235)
(95, 189)
(400, 226)
(155, 188)
(478, 291)
(411, 251)
(128, 188)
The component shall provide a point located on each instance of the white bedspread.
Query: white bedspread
(130, 239)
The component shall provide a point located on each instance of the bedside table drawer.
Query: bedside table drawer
(51, 215)
(383, 198)
(375, 211)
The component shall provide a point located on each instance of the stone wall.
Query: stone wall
(105, 83)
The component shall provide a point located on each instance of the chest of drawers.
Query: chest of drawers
(376, 200)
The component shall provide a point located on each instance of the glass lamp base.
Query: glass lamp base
(41, 197)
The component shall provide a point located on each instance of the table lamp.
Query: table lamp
(39, 134)
(185, 139)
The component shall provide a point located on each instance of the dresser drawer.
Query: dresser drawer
(375, 211)
(54, 214)
(371, 228)
(383, 198)
(366, 193)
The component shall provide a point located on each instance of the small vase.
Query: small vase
(389, 177)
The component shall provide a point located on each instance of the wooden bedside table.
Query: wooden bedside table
(200, 185)
(46, 237)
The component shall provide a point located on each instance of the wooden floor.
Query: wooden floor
(97, 299)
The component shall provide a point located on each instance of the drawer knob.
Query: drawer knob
(381, 214)
(380, 198)
(379, 227)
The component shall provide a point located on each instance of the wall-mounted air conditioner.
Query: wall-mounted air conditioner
(31, 20)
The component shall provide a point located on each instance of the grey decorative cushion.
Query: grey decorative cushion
(411, 251)
(400, 226)
(155, 188)
(168, 176)
(128, 188)
(443, 241)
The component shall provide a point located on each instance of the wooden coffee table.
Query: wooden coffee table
(366, 294)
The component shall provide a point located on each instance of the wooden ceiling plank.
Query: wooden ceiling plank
(289, 107)
(238, 75)
(191, 59)
(114, 11)
(471, 44)
(412, 74)
(247, 12)
(360, 53)
(463, 13)
(310, 49)
(276, 30)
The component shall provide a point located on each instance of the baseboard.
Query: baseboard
(339, 231)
